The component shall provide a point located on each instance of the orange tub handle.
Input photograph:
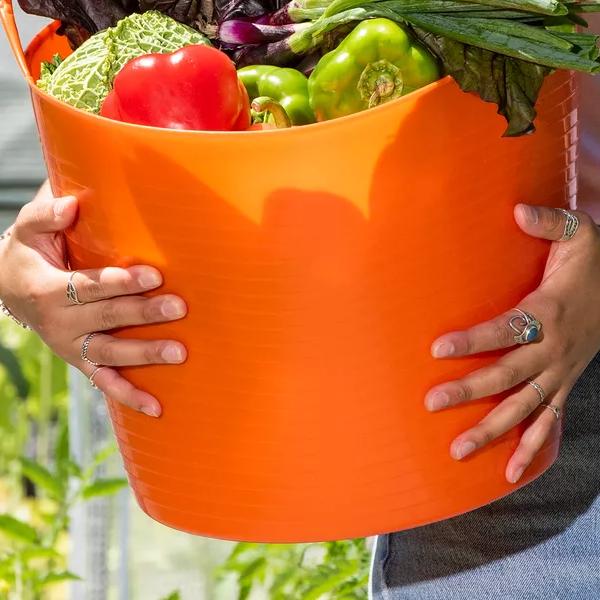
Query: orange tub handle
(7, 16)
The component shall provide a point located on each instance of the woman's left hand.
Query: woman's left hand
(567, 303)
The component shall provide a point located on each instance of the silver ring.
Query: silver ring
(72, 295)
(555, 409)
(85, 348)
(538, 388)
(571, 225)
(93, 376)
(526, 327)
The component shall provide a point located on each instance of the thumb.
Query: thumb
(541, 221)
(45, 214)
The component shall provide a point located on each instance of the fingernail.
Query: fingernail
(149, 280)
(437, 401)
(172, 309)
(61, 206)
(151, 411)
(443, 349)
(172, 354)
(464, 450)
(516, 474)
(531, 214)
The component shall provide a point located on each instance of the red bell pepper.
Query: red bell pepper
(196, 88)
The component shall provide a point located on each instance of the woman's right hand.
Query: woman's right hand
(33, 284)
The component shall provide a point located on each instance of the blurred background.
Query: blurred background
(69, 528)
(21, 166)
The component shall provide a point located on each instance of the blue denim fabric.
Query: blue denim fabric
(540, 543)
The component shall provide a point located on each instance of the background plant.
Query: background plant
(331, 570)
(39, 481)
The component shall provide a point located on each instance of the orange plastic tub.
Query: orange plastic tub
(318, 264)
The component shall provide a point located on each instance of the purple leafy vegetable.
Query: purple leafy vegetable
(81, 18)
(246, 32)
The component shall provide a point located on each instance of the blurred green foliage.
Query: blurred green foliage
(330, 570)
(39, 481)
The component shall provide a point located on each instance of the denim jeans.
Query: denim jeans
(540, 543)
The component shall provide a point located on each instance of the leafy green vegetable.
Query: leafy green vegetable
(85, 77)
(513, 85)
(489, 48)
(47, 70)
(499, 49)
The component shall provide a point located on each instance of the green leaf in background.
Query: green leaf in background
(99, 458)
(17, 530)
(42, 478)
(10, 362)
(62, 453)
(103, 487)
(57, 577)
(74, 469)
(332, 570)
(330, 580)
(37, 553)
(172, 596)
(34, 435)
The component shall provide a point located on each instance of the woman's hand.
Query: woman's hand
(33, 284)
(568, 305)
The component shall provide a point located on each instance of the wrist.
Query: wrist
(4, 310)
(3, 240)
(4, 236)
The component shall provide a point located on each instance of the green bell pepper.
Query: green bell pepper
(377, 62)
(286, 86)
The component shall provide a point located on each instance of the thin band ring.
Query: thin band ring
(72, 295)
(92, 377)
(85, 348)
(555, 409)
(571, 225)
(538, 388)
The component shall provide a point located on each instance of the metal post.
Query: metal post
(90, 522)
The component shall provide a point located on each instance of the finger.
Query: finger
(509, 413)
(45, 214)
(102, 284)
(506, 373)
(110, 351)
(117, 388)
(549, 223)
(531, 443)
(494, 334)
(127, 311)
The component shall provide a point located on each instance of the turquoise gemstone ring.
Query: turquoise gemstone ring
(526, 327)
